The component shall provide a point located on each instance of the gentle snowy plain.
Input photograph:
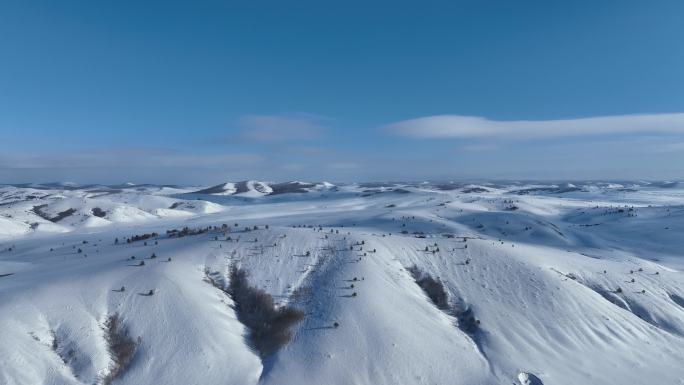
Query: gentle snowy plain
(570, 283)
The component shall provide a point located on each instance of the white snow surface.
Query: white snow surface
(573, 283)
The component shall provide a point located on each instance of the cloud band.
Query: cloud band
(458, 126)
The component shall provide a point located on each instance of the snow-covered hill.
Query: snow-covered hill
(254, 189)
(552, 283)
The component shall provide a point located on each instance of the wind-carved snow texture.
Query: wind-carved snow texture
(677, 299)
(68, 353)
(631, 302)
(571, 284)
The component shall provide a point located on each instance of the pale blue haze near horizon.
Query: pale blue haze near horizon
(209, 91)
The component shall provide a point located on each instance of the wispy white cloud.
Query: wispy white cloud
(457, 126)
(269, 128)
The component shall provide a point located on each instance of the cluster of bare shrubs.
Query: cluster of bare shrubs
(142, 237)
(432, 287)
(185, 231)
(121, 346)
(269, 325)
(438, 295)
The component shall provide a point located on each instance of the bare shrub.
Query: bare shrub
(121, 347)
(269, 325)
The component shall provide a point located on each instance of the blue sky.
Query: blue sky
(207, 91)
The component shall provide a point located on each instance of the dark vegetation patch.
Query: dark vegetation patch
(475, 190)
(141, 237)
(546, 190)
(400, 191)
(63, 214)
(105, 191)
(39, 211)
(432, 287)
(377, 184)
(447, 186)
(185, 231)
(121, 347)
(291, 187)
(98, 212)
(269, 326)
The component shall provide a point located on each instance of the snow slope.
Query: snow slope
(571, 283)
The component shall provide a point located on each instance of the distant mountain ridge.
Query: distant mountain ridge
(253, 188)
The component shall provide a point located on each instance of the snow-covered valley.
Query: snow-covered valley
(542, 283)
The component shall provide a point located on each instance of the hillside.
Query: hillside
(397, 283)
